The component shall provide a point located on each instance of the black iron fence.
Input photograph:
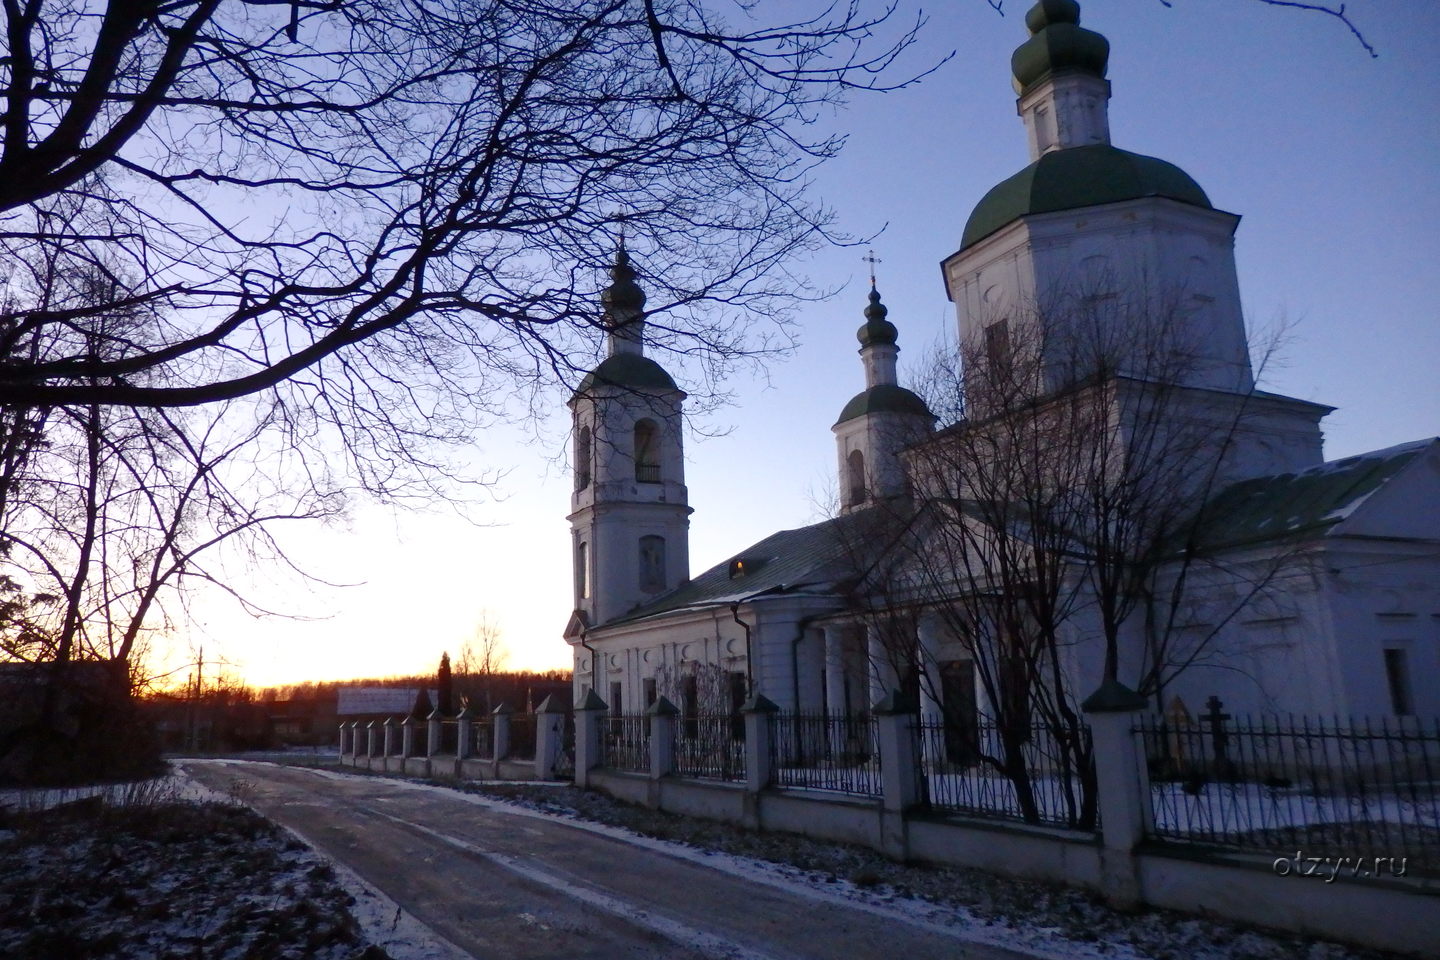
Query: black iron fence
(1034, 773)
(819, 752)
(625, 743)
(710, 748)
(482, 739)
(522, 737)
(1298, 785)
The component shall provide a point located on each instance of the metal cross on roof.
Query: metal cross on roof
(871, 259)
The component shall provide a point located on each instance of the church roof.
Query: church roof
(1304, 504)
(883, 398)
(814, 559)
(632, 371)
(1079, 177)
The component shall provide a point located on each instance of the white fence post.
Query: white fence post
(462, 733)
(1122, 787)
(387, 744)
(588, 714)
(407, 738)
(759, 761)
(372, 736)
(501, 730)
(900, 770)
(344, 737)
(662, 715)
(549, 732)
(433, 732)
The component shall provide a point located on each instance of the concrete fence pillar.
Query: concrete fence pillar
(463, 726)
(407, 737)
(549, 737)
(759, 713)
(662, 714)
(899, 752)
(344, 737)
(1122, 787)
(388, 728)
(355, 739)
(900, 770)
(372, 738)
(433, 732)
(589, 713)
(501, 731)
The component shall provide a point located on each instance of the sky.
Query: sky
(1329, 155)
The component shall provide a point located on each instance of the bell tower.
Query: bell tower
(880, 420)
(629, 512)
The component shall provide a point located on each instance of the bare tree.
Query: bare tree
(1057, 527)
(482, 657)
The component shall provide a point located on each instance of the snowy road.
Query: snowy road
(524, 886)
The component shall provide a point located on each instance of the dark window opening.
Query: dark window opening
(997, 349)
(615, 701)
(582, 570)
(647, 452)
(737, 700)
(1397, 675)
(690, 706)
(855, 466)
(959, 710)
(647, 686)
(583, 456)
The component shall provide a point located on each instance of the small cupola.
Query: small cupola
(624, 304)
(1057, 44)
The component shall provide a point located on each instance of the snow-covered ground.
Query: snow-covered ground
(168, 868)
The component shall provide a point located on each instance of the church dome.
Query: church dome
(1057, 43)
(884, 398)
(1080, 177)
(631, 371)
(876, 330)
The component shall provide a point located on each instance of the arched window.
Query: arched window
(582, 570)
(583, 456)
(647, 452)
(855, 467)
(652, 564)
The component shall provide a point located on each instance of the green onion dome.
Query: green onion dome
(1057, 43)
(876, 330)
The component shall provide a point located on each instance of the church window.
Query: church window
(582, 570)
(855, 467)
(615, 698)
(997, 350)
(648, 688)
(652, 564)
(583, 455)
(690, 706)
(647, 452)
(1397, 676)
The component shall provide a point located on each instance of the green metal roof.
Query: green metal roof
(817, 558)
(1308, 503)
(884, 398)
(1079, 177)
(632, 371)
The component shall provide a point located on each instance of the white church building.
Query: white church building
(1292, 584)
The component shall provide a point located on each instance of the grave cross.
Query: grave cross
(1219, 739)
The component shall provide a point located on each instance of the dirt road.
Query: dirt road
(519, 886)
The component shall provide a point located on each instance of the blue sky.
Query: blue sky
(1331, 157)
